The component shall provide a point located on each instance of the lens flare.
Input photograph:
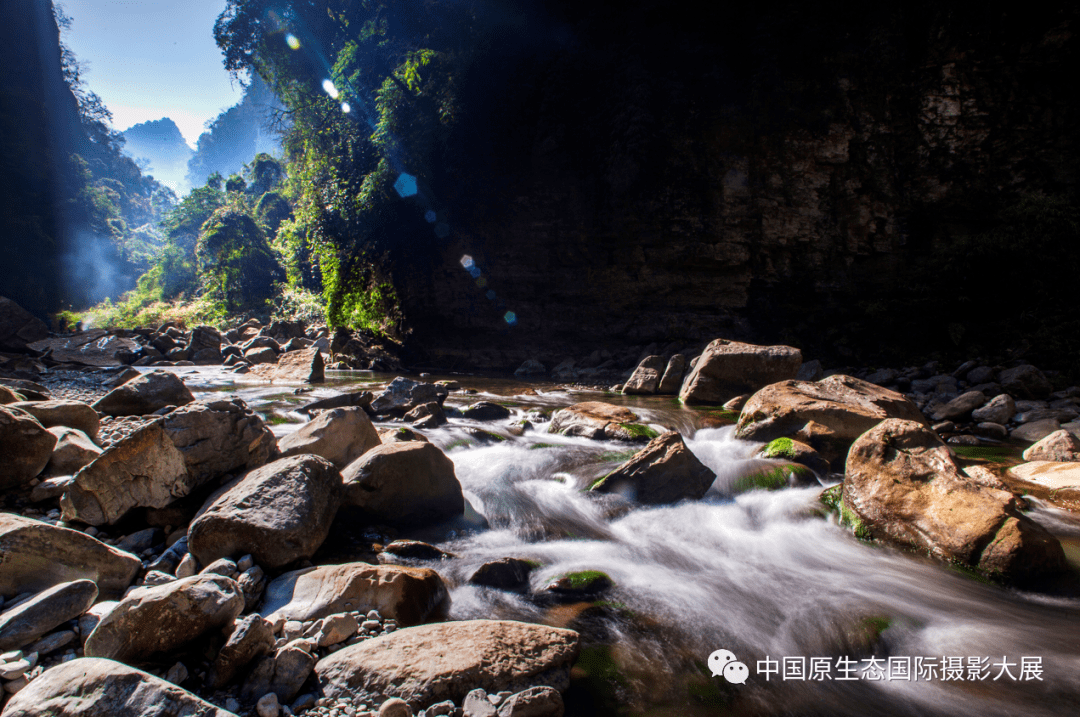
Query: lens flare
(405, 185)
(510, 318)
(467, 262)
(429, 216)
(292, 41)
(329, 88)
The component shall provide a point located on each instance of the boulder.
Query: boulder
(260, 355)
(728, 368)
(493, 655)
(665, 471)
(218, 437)
(428, 415)
(408, 595)
(646, 377)
(340, 435)
(504, 574)
(251, 638)
(1000, 409)
(278, 513)
(206, 342)
(902, 485)
(403, 395)
(1035, 430)
(810, 371)
(828, 415)
(361, 399)
(485, 411)
(531, 367)
(58, 412)
(281, 674)
(18, 327)
(38, 555)
(539, 701)
(401, 484)
(140, 396)
(49, 609)
(1025, 381)
(960, 407)
(160, 619)
(795, 451)
(91, 687)
(25, 446)
(143, 469)
(1051, 474)
(595, 419)
(90, 348)
(305, 365)
(1058, 446)
(673, 375)
(8, 396)
(73, 451)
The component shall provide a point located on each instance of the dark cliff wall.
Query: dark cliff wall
(790, 173)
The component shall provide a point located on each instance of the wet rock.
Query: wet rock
(59, 412)
(1000, 409)
(404, 394)
(18, 327)
(412, 550)
(594, 419)
(729, 368)
(531, 367)
(673, 375)
(991, 430)
(406, 483)
(407, 595)
(1042, 414)
(305, 365)
(828, 415)
(540, 701)
(769, 475)
(1025, 381)
(218, 437)
(504, 574)
(142, 470)
(428, 415)
(144, 395)
(400, 435)
(485, 411)
(902, 485)
(25, 445)
(797, 452)
(252, 637)
(44, 612)
(1058, 446)
(646, 377)
(340, 435)
(1035, 430)
(960, 407)
(89, 687)
(163, 618)
(37, 556)
(361, 399)
(578, 586)
(73, 451)
(261, 355)
(282, 673)
(278, 513)
(458, 656)
(665, 471)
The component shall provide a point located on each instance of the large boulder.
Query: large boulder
(404, 394)
(251, 637)
(205, 345)
(408, 595)
(903, 486)
(44, 612)
(18, 327)
(140, 396)
(646, 377)
(828, 415)
(665, 471)
(410, 483)
(59, 412)
(278, 513)
(92, 687)
(595, 419)
(25, 446)
(457, 657)
(1058, 446)
(1025, 382)
(74, 450)
(340, 435)
(729, 368)
(217, 437)
(671, 381)
(144, 469)
(305, 365)
(960, 407)
(159, 619)
(1000, 409)
(39, 555)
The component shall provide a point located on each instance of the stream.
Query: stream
(763, 574)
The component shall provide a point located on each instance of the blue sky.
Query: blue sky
(149, 59)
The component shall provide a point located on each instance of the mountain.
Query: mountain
(160, 143)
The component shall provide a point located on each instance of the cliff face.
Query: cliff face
(791, 176)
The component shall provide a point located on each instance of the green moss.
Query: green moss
(534, 446)
(494, 436)
(859, 528)
(461, 443)
(780, 448)
(638, 430)
(875, 625)
(991, 454)
(831, 497)
(275, 419)
(720, 415)
(620, 456)
(771, 479)
(598, 674)
(585, 580)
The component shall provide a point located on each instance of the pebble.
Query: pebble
(245, 563)
(177, 673)
(187, 567)
(371, 626)
(268, 706)
(374, 615)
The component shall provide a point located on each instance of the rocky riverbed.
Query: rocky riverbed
(273, 537)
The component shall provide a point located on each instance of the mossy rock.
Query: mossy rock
(774, 477)
(639, 431)
(779, 448)
(580, 585)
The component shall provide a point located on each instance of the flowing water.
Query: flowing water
(765, 575)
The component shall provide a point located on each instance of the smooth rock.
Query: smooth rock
(1035, 431)
(251, 637)
(1052, 474)
(476, 704)
(261, 355)
(485, 411)
(646, 377)
(531, 367)
(89, 687)
(163, 618)
(1000, 409)
(598, 420)
(671, 381)
(268, 706)
(665, 471)
(504, 574)
(960, 407)
(1025, 381)
(395, 707)
(25, 446)
(144, 469)
(37, 556)
(278, 513)
(407, 595)
(408, 483)
(413, 550)
(729, 368)
(73, 451)
(428, 415)
(306, 365)
(282, 673)
(60, 412)
(44, 612)
(340, 435)
(903, 485)
(218, 437)
(404, 394)
(1058, 446)
(144, 395)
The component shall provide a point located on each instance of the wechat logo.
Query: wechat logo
(723, 663)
